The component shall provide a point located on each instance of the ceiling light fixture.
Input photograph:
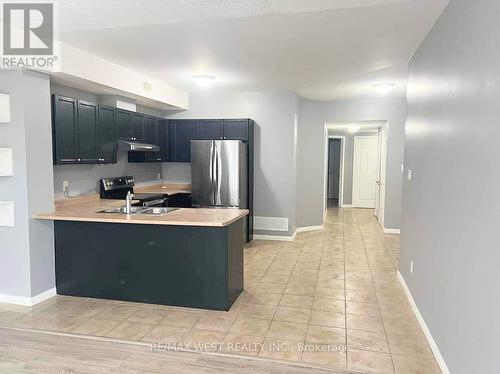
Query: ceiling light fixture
(203, 80)
(383, 88)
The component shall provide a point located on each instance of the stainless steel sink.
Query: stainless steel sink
(121, 210)
(157, 211)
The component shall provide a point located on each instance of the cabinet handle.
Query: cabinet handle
(78, 159)
(67, 159)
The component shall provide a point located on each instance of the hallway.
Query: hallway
(326, 290)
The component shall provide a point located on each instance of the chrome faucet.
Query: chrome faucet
(128, 206)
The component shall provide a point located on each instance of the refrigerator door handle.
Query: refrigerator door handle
(218, 170)
(212, 171)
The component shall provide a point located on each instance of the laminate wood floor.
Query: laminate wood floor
(41, 353)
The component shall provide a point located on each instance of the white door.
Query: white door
(380, 205)
(365, 171)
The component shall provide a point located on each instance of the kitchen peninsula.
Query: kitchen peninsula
(191, 257)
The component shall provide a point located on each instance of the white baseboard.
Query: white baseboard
(308, 228)
(28, 301)
(346, 206)
(435, 350)
(275, 237)
(391, 231)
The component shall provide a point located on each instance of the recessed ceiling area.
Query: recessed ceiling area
(354, 127)
(321, 49)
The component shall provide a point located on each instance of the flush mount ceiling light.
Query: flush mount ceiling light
(203, 80)
(383, 88)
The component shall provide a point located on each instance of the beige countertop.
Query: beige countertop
(84, 209)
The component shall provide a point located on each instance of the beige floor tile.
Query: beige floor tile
(257, 311)
(287, 331)
(61, 306)
(326, 335)
(90, 309)
(96, 326)
(203, 340)
(328, 304)
(118, 311)
(303, 280)
(271, 287)
(289, 314)
(333, 359)
(410, 345)
(276, 278)
(148, 315)
(162, 334)
(297, 301)
(334, 293)
(215, 322)
(130, 330)
(241, 344)
(415, 365)
(250, 326)
(63, 323)
(180, 319)
(7, 317)
(364, 323)
(326, 318)
(364, 296)
(264, 298)
(299, 289)
(374, 362)
(364, 309)
(281, 349)
(370, 341)
(34, 320)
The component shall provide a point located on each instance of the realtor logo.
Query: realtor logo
(28, 29)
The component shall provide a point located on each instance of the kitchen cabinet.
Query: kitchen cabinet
(87, 132)
(236, 129)
(180, 134)
(64, 129)
(152, 136)
(138, 127)
(106, 135)
(124, 124)
(211, 129)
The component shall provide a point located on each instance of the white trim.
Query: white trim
(391, 231)
(28, 301)
(435, 350)
(346, 206)
(275, 237)
(308, 228)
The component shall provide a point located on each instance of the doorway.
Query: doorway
(335, 171)
(365, 172)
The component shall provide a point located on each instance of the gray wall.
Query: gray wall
(274, 113)
(311, 151)
(26, 250)
(450, 214)
(84, 179)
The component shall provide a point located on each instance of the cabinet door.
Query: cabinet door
(87, 132)
(106, 135)
(236, 129)
(171, 150)
(185, 131)
(152, 136)
(138, 127)
(163, 134)
(211, 129)
(64, 129)
(123, 124)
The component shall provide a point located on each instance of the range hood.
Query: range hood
(129, 145)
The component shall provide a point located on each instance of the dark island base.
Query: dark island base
(188, 266)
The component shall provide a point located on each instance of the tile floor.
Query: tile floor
(305, 300)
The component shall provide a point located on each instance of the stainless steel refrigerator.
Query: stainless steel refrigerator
(219, 174)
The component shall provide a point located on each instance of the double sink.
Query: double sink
(156, 211)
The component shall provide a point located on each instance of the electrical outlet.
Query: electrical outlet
(65, 185)
(411, 266)
(158, 176)
(409, 175)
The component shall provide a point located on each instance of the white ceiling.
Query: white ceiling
(322, 49)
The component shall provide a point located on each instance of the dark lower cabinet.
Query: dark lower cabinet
(106, 134)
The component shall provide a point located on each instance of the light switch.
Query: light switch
(409, 175)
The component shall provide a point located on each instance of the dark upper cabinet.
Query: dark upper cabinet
(152, 136)
(87, 132)
(138, 127)
(124, 124)
(211, 129)
(236, 129)
(106, 135)
(64, 120)
(185, 131)
(163, 134)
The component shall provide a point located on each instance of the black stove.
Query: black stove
(117, 188)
